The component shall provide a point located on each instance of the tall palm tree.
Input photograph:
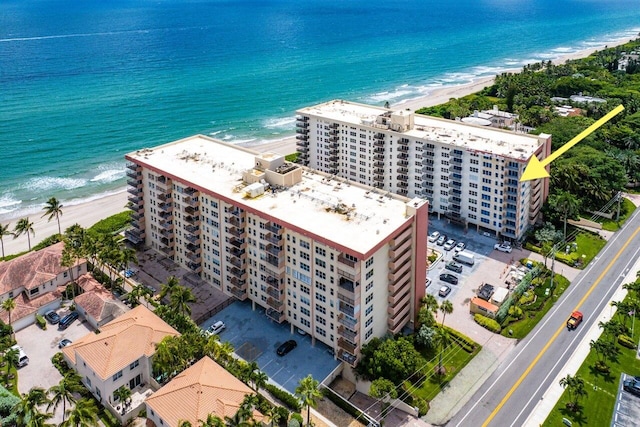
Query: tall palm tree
(446, 308)
(23, 226)
(181, 297)
(10, 357)
(122, 394)
(309, 393)
(212, 421)
(259, 380)
(568, 205)
(167, 288)
(84, 414)
(39, 419)
(442, 339)
(9, 305)
(4, 231)
(53, 208)
(63, 393)
(27, 408)
(575, 387)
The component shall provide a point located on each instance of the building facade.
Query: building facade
(340, 261)
(470, 174)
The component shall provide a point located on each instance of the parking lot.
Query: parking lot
(40, 346)
(256, 338)
(627, 409)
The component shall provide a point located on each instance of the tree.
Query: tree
(122, 394)
(604, 350)
(23, 226)
(53, 208)
(138, 291)
(27, 408)
(575, 387)
(9, 305)
(167, 288)
(393, 359)
(11, 358)
(308, 393)
(446, 308)
(212, 421)
(546, 250)
(84, 414)
(547, 233)
(611, 329)
(567, 205)
(181, 297)
(425, 336)
(384, 390)
(4, 231)
(442, 339)
(259, 380)
(39, 419)
(63, 393)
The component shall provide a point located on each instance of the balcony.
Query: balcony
(334, 126)
(167, 233)
(399, 298)
(403, 170)
(378, 150)
(303, 131)
(403, 156)
(238, 243)
(166, 224)
(378, 178)
(193, 247)
(347, 309)
(273, 282)
(191, 210)
(196, 267)
(168, 251)
(193, 222)
(237, 232)
(134, 174)
(134, 166)
(274, 250)
(162, 188)
(275, 315)
(135, 236)
(347, 321)
(135, 200)
(304, 139)
(235, 261)
(240, 273)
(333, 170)
(165, 207)
(273, 292)
(190, 201)
(190, 191)
(346, 345)
(403, 184)
(378, 184)
(347, 285)
(237, 282)
(348, 333)
(378, 156)
(194, 257)
(274, 303)
(403, 149)
(240, 294)
(379, 136)
(302, 124)
(193, 238)
(402, 177)
(274, 261)
(347, 357)
(135, 183)
(378, 164)
(378, 143)
(273, 228)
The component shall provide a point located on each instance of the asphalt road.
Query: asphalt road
(512, 391)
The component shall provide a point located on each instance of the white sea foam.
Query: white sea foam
(49, 183)
(108, 176)
(281, 123)
(8, 203)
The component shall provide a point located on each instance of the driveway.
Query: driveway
(40, 346)
(256, 338)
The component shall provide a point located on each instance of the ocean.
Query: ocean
(84, 82)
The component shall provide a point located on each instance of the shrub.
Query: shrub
(527, 298)
(7, 402)
(293, 423)
(284, 414)
(297, 417)
(463, 341)
(432, 257)
(626, 341)
(422, 405)
(285, 397)
(487, 323)
(61, 365)
(41, 322)
(112, 224)
(515, 312)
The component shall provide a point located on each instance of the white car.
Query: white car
(444, 291)
(434, 236)
(216, 328)
(503, 247)
(449, 244)
(459, 247)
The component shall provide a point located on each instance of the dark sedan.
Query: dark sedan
(449, 278)
(454, 266)
(52, 317)
(632, 386)
(286, 347)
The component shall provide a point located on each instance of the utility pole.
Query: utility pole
(618, 214)
(553, 262)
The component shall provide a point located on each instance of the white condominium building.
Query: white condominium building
(470, 174)
(341, 261)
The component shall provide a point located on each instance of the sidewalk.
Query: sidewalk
(553, 393)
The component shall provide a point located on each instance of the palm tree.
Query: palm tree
(212, 421)
(27, 408)
(23, 226)
(567, 204)
(9, 305)
(10, 357)
(84, 414)
(308, 393)
(167, 288)
(604, 350)
(576, 389)
(39, 419)
(63, 393)
(612, 328)
(53, 208)
(122, 394)
(181, 297)
(442, 340)
(259, 380)
(4, 231)
(446, 308)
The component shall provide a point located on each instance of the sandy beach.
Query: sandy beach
(88, 213)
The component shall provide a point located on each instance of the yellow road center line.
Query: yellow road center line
(560, 329)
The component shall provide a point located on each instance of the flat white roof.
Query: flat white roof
(466, 136)
(351, 215)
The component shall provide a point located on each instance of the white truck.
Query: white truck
(464, 257)
(23, 360)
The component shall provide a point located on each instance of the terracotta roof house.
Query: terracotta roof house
(32, 279)
(202, 389)
(97, 304)
(120, 355)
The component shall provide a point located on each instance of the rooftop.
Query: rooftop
(120, 342)
(334, 209)
(97, 301)
(454, 133)
(202, 389)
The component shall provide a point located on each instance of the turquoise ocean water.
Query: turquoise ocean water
(84, 82)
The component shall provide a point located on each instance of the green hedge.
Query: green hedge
(422, 405)
(285, 397)
(487, 323)
(626, 341)
(113, 224)
(41, 322)
(60, 364)
(463, 341)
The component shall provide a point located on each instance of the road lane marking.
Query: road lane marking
(555, 335)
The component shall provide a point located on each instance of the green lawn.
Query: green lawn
(626, 209)
(521, 328)
(597, 406)
(453, 359)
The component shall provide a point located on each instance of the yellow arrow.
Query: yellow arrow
(536, 169)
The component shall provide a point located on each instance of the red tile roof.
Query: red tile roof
(96, 300)
(25, 306)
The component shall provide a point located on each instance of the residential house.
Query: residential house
(97, 304)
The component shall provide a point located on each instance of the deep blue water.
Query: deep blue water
(82, 82)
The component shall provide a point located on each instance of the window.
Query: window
(134, 365)
(117, 375)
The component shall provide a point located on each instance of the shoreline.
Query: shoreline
(87, 213)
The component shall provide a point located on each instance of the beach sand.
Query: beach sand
(88, 213)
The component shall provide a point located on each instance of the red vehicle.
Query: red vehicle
(574, 320)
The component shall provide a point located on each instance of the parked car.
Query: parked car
(216, 328)
(632, 386)
(286, 347)
(23, 360)
(449, 278)
(64, 342)
(444, 291)
(52, 317)
(459, 247)
(503, 247)
(443, 238)
(427, 283)
(434, 236)
(454, 266)
(67, 320)
(449, 244)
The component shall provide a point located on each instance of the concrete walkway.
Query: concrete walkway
(553, 393)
